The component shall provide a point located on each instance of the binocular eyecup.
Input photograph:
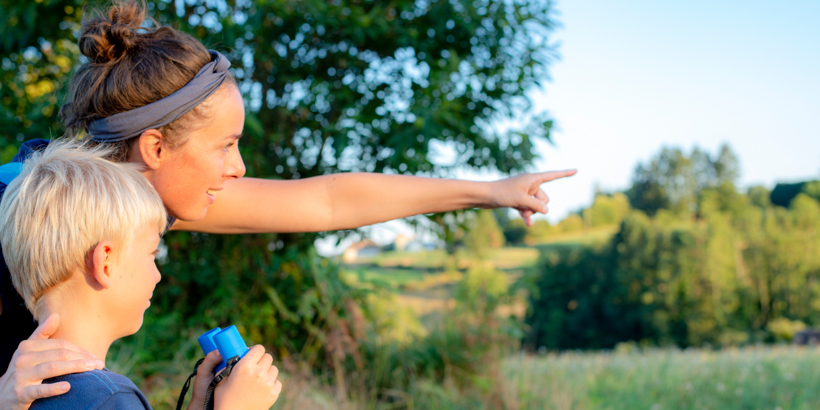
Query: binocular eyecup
(228, 341)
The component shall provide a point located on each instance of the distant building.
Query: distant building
(358, 250)
(807, 337)
(401, 242)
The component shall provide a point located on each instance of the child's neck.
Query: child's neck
(83, 324)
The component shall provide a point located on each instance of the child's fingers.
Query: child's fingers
(252, 357)
(266, 361)
(277, 389)
(273, 372)
(209, 364)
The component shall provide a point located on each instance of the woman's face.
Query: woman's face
(189, 177)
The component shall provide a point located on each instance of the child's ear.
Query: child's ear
(102, 256)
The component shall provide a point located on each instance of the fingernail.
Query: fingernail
(90, 364)
(64, 387)
(100, 363)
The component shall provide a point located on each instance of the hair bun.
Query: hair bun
(107, 38)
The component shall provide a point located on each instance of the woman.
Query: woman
(164, 101)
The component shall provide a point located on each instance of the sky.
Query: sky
(637, 75)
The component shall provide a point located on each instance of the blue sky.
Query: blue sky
(637, 75)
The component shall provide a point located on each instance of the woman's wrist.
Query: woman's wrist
(480, 195)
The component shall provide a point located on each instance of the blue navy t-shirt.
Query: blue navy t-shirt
(16, 322)
(95, 390)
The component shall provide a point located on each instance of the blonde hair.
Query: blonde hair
(67, 199)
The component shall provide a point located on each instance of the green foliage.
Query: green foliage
(571, 223)
(672, 180)
(483, 289)
(785, 329)
(454, 364)
(515, 231)
(330, 87)
(731, 271)
(608, 210)
(540, 230)
(782, 194)
(484, 234)
(812, 189)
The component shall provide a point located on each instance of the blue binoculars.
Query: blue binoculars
(228, 341)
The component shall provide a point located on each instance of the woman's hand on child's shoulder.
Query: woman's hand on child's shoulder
(40, 358)
(252, 385)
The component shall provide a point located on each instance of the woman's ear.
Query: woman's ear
(102, 257)
(150, 149)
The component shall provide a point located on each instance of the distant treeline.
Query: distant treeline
(694, 262)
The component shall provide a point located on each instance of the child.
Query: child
(80, 234)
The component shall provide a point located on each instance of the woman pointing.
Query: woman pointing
(167, 103)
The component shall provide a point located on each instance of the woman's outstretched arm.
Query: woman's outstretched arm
(352, 200)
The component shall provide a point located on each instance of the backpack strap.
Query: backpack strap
(10, 171)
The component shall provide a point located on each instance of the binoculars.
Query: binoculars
(228, 341)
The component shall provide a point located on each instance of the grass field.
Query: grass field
(423, 281)
(775, 377)
(752, 378)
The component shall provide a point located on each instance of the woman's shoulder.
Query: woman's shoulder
(96, 389)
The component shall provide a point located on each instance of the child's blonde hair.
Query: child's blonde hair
(67, 199)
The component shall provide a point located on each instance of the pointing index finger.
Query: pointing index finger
(553, 175)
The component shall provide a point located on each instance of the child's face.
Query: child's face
(134, 278)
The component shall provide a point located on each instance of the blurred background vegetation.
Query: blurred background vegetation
(682, 259)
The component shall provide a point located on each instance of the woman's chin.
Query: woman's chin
(190, 215)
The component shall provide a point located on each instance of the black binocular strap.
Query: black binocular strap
(187, 384)
(209, 395)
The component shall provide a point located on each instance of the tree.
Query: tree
(672, 180)
(330, 86)
(484, 234)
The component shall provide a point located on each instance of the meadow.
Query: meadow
(756, 377)
(416, 291)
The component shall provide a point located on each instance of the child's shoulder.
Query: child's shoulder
(97, 390)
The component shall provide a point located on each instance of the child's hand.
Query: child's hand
(252, 384)
(204, 375)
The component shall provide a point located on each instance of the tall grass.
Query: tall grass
(778, 377)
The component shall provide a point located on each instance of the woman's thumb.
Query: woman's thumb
(47, 328)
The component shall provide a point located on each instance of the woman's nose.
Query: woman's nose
(235, 167)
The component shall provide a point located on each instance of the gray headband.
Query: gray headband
(133, 123)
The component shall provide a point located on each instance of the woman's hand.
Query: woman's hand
(252, 384)
(523, 192)
(40, 358)
(204, 375)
